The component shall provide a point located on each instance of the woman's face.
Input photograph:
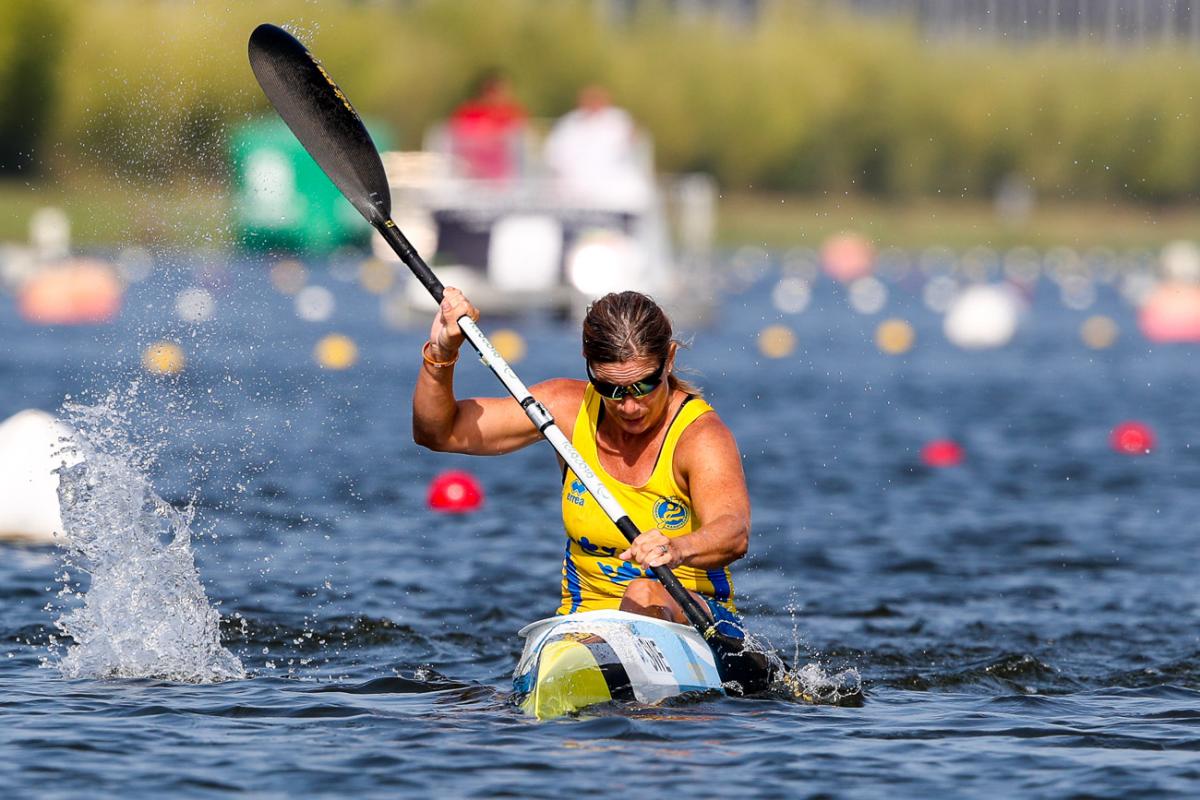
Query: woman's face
(634, 415)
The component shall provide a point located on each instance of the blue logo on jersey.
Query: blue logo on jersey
(597, 550)
(624, 573)
(578, 490)
(671, 514)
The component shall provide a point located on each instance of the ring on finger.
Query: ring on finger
(664, 549)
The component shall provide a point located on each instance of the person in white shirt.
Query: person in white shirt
(593, 151)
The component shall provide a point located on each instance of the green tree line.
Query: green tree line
(807, 99)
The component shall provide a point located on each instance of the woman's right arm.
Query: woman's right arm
(481, 425)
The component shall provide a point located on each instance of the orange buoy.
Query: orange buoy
(79, 292)
(847, 257)
(1099, 332)
(1132, 438)
(776, 341)
(455, 492)
(1171, 313)
(942, 453)
(509, 344)
(163, 358)
(336, 351)
(895, 337)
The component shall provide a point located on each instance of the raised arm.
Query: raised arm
(481, 425)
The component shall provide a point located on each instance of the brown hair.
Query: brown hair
(622, 326)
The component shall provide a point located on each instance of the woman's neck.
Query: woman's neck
(630, 445)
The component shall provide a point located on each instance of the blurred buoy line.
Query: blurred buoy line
(983, 296)
(900, 303)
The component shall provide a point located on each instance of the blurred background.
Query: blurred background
(795, 179)
(959, 122)
(949, 133)
(936, 260)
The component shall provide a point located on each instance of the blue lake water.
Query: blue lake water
(1025, 624)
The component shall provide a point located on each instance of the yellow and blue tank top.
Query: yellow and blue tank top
(593, 577)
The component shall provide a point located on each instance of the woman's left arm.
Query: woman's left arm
(709, 467)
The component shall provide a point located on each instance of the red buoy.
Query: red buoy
(942, 453)
(1132, 438)
(455, 492)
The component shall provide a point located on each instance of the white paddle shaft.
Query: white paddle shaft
(541, 418)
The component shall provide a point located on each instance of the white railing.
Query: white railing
(1108, 22)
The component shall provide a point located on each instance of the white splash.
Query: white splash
(145, 613)
(813, 682)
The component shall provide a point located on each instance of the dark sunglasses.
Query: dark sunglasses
(640, 388)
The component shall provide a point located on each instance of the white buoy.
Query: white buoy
(1137, 286)
(135, 264)
(982, 317)
(939, 293)
(50, 233)
(1077, 292)
(1181, 261)
(195, 305)
(314, 304)
(868, 295)
(791, 295)
(32, 445)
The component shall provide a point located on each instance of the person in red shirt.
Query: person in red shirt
(486, 131)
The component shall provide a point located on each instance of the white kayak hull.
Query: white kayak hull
(574, 661)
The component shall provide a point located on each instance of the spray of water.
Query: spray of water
(812, 682)
(143, 612)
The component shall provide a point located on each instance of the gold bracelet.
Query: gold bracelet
(438, 364)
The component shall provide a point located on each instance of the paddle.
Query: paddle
(328, 127)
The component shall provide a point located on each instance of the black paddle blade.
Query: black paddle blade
(322, 118)
(752, 671)
(749, 672)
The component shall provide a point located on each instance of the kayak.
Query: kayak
(578, 660)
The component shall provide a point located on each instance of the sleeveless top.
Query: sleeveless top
(593, 577)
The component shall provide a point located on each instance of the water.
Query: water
(1024, 624)
(143, 612)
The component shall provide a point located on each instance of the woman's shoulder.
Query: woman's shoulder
(706, 445)
(560, 396)
(705, 431)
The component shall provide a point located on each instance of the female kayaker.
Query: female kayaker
(651, 438)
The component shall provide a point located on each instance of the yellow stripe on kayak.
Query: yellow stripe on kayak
(568, 679)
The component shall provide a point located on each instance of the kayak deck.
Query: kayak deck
(579, 660)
